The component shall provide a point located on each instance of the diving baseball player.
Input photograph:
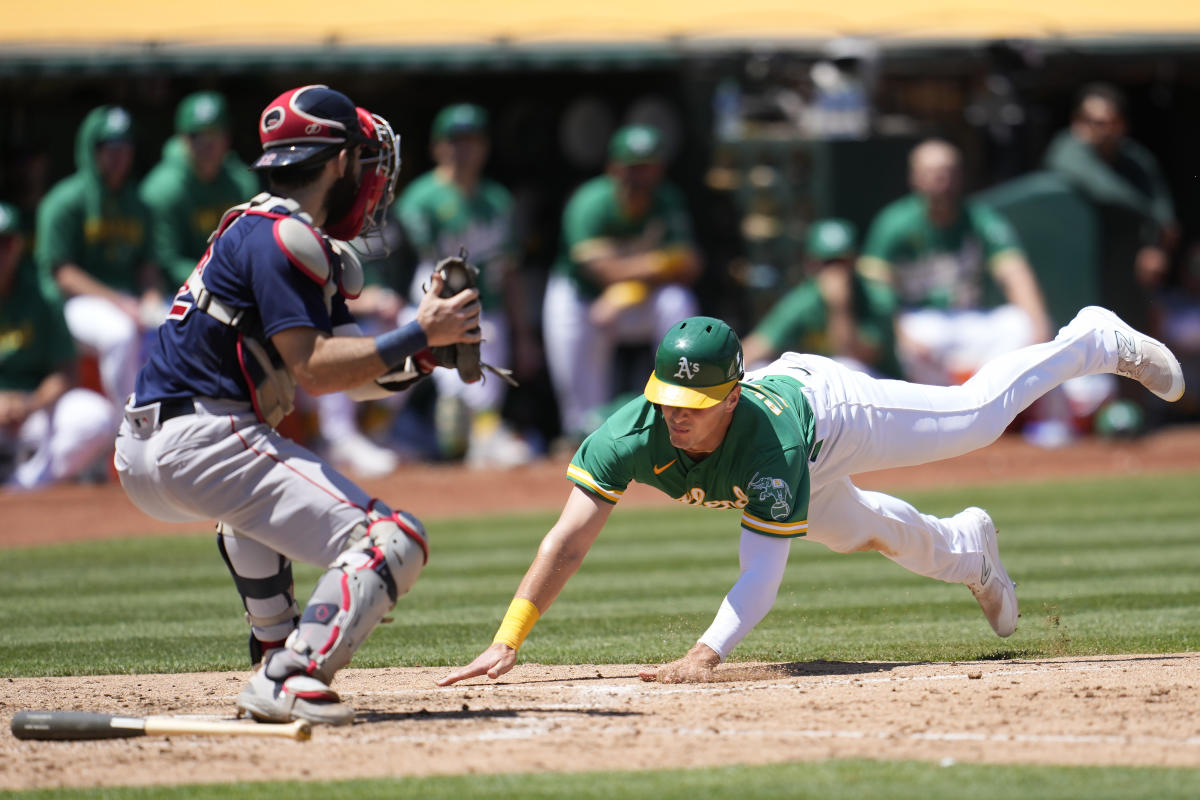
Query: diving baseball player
(263, 311)
(779, 445)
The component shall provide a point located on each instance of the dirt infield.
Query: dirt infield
(1104, 710)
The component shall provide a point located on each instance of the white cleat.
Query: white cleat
(995, 591)
(295, 697)
(1145, 360)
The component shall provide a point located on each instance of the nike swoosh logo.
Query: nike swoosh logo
(664, 467)
(987, 571)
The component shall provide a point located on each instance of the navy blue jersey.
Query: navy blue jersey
(194, 355)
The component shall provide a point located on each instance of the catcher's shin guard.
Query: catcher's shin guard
(383, 561)
(264, 580)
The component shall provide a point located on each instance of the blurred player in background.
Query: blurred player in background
(454, 205)
(622, 274)
(93, 250)
(50, 430)
(835, 312)
(938, 252)
(189, 189)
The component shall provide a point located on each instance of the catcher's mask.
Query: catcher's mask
(697, 364)
(312, 124)
(380, 160)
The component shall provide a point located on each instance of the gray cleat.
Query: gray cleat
(294, 697)
(1145, 360)
(995, 591)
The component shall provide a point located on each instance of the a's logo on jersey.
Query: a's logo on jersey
(775, 489)
(686, 370)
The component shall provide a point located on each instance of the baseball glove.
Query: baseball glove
(457, 275)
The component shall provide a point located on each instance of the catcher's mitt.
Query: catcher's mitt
(457, 275)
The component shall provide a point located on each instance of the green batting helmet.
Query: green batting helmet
(697, 365)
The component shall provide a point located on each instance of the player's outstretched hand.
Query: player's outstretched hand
(495, 661)
(696, 667)
(449, 320)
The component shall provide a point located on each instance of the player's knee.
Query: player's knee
(403, 543)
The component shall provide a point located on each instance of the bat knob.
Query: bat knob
(303, 730)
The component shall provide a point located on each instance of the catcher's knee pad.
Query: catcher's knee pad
(263, 578)
(385, 556)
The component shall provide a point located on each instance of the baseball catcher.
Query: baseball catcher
(264, 311)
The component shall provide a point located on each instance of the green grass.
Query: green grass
(826, 780)
(1104, 566)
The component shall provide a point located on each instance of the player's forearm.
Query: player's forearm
(558, 558)
(663, 265)
(322, 364)
(73, 281)
(52, 387)
(1022, 290)
(763, 561)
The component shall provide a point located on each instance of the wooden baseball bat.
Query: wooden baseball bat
(73, 725)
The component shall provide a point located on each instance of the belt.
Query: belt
(175, 407)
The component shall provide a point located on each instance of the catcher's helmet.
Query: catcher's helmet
(697, 364)
(308, 124)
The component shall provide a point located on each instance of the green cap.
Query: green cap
(636, 144)
(697, 365)
(115, 126)
(459, 118)
(201, 111)
(831, 238)
(10, 220)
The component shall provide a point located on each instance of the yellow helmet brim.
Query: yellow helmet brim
(670, 394)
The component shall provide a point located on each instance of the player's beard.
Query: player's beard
(340, 198)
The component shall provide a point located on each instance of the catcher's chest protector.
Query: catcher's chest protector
(331, 264)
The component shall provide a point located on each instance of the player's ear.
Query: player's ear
(343, 161)
(731, 399)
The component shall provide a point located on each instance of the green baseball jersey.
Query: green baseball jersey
(34, 340)
(937, 267)
(800, 322)
(593, 219)
(438, 219)
(184, 210)
(761, 467)
(83, 222)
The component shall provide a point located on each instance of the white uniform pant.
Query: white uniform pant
(59, 442)
(955, 343)
(864, 424)
(110, 333)
(580, 355)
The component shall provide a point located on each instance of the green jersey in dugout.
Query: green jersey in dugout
(593, 219)
(34, 340)
(936, 267)
(81, 221)
(438, 219)
(761, 467)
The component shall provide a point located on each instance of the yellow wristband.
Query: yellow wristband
(518, 622)
(669, 263)
(623, 294)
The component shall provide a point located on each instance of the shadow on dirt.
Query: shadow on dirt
(466, 713)
(798, 669)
